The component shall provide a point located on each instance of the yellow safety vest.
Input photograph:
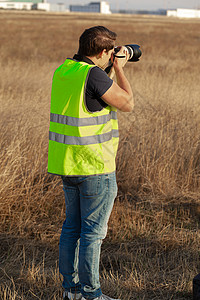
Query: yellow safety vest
(80, 142)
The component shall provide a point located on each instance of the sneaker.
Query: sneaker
(102, 297)
(71, 296)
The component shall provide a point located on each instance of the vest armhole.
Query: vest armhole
(85, 86)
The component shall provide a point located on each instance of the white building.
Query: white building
(102, 7)
(16, 5)
(105, 8)
(33, 5)
(184, 13)
(41, 6)
(58, 7)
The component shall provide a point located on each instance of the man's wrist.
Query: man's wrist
(118, 68)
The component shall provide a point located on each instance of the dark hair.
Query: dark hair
(95, 39)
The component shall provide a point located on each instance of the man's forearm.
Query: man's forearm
(124, 84)
(111, 74)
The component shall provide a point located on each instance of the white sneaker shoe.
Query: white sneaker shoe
(102, 297)
(71, 296)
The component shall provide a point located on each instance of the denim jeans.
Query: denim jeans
(89, 201)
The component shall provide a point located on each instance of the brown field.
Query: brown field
(152, 247)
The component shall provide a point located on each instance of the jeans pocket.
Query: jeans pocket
(91, 185)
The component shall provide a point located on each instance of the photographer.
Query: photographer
(83, 141)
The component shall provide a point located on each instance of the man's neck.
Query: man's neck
(83, 58)
(94, 60)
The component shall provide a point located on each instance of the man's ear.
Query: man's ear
(101, 54)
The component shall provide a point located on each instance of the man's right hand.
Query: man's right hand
(121, 58)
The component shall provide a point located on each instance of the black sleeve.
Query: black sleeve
(98, 83)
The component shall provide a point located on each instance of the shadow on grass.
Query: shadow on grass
(146, 270)
(135, 269)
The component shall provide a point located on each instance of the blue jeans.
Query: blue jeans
(89, 201)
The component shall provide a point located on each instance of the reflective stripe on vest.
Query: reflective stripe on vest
(66, 120)
(85, 140)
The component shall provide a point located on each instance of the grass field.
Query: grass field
(152, 247)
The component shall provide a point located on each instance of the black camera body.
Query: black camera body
(134, 54)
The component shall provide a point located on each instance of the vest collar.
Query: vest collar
(83, 58)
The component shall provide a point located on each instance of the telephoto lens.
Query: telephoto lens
(134, 52)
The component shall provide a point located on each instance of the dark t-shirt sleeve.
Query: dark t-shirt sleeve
(98, 83)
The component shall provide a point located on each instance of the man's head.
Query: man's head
(97, 41)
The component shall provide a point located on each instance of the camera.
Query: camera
(134, 54)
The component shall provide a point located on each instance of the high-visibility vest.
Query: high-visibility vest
(80, 142)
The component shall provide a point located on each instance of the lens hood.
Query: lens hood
(134, 52)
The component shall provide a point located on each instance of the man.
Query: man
(83, 142)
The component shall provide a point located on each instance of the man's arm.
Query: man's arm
(120, 94)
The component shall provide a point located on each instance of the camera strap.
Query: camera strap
(119, 56)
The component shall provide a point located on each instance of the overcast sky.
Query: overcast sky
(141, 4)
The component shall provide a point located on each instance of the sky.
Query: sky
(141, 4)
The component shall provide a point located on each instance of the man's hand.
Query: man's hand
(120, 58)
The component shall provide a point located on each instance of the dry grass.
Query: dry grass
(152, 248)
